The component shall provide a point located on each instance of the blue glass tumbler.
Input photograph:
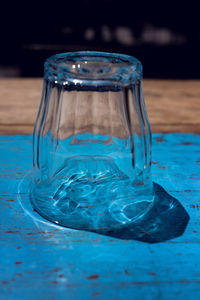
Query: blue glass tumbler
(92, 140)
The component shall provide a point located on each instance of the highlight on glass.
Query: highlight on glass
(92, 143)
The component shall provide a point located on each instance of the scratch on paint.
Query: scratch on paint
(92, 277)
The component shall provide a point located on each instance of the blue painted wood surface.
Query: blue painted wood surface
(41, 261)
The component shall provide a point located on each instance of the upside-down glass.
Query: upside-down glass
(92, 140)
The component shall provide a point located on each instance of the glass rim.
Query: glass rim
(92, 68)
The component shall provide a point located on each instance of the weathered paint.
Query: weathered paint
(39, 260)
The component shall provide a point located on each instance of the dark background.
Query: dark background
(164, 35)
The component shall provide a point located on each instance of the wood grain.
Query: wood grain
(172, 105)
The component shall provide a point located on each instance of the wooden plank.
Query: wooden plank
(172, 105)
(41, 261)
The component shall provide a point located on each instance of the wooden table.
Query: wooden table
(172, 106)
(41, 261)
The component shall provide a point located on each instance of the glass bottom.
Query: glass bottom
(91, 193)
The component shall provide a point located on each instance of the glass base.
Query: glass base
(91, 194)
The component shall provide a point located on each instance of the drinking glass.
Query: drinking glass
(92, 143)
